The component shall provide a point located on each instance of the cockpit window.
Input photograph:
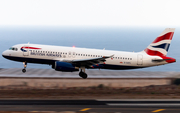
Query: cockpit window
(13, 48)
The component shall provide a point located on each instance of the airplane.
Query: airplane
(69, 59)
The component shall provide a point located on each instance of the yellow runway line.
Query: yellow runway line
(85, 109)
(158, 110)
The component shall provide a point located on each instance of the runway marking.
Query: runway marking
(137, 100)
(158, 110)
(85, 109)
(144, 104)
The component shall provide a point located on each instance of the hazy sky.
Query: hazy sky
(117, 13)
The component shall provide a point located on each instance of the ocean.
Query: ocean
(117, 38)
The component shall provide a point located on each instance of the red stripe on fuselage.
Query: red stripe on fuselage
(31, 48)
(167, 36)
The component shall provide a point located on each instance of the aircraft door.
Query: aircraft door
(25, 50)
(140, 59)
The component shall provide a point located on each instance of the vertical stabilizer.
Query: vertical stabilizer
(160, 46)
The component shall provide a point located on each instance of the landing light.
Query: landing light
(73, 46)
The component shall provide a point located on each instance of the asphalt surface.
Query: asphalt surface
(104, 106)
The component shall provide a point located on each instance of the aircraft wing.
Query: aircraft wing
(88, 62)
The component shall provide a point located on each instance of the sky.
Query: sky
(103, 13)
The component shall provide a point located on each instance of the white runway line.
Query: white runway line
(143, 104)
(150, 100)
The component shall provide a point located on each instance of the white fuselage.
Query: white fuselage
(46, 54)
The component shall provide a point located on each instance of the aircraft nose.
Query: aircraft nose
(4, 53)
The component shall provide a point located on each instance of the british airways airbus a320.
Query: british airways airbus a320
(71, 59)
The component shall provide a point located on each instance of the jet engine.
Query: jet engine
(65, 66)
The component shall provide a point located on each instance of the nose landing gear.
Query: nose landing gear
(25, 65)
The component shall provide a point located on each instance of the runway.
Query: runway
(96, 106)
(50, 73)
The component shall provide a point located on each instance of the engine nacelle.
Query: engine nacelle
(65, 66)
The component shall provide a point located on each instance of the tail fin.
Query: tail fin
(160, 46)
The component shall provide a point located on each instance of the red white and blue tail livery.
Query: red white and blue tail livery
(70, 59)
(160, 46)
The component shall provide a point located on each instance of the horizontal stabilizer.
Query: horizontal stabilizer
(160, 60)
(167, 59)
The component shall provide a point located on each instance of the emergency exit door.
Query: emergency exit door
(140, 59)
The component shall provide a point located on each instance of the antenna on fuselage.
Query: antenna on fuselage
(104, 49)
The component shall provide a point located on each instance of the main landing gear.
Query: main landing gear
(25, 65)
(83, 74)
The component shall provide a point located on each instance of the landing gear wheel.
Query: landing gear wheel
(23, 70)
(83, 75)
